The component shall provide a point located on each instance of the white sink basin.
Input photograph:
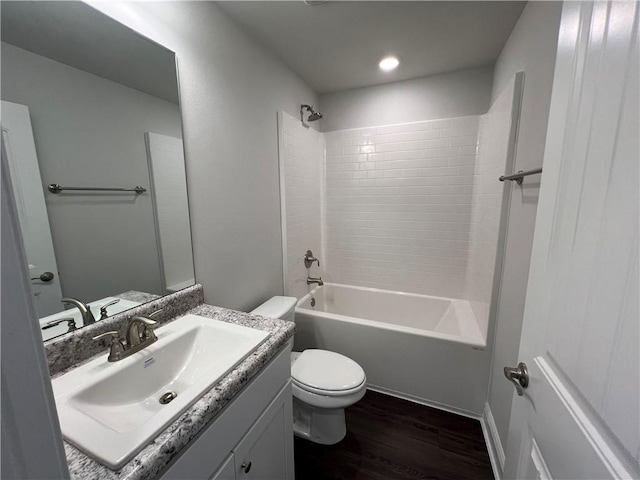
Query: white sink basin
(112, 410)
(74, 313)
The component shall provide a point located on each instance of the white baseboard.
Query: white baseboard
(492, 439)
(428, 403)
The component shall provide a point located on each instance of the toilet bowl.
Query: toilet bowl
(324, 383)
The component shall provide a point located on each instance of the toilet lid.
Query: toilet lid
(327, 371)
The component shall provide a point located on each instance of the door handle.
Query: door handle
(44, 277)
(519, 376)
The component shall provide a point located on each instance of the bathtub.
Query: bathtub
(423, 348)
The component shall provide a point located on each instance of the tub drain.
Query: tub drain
(313, 302)
(167, 397)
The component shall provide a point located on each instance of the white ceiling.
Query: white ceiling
(77, 35)
(337, 45)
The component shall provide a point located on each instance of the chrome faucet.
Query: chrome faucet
(311, 280)
(139, 336)
(85, 310)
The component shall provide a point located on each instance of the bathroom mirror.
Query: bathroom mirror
(91, 130)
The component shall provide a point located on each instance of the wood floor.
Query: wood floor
(389, 438)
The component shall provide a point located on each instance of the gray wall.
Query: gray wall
(89, 131)
(231, 89)
(531, 48)
(456, 94)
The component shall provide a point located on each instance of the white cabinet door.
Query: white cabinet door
(579, 415)
(266, 452)
(227, 471)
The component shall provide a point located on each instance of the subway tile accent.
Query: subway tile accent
(412, 207)
(399, 202)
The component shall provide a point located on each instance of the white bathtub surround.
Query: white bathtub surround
(398, 205)
(301, 152)
(422, 348)
(412, 208)
(496, 145)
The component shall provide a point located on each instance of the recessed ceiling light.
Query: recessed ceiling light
(389, 63)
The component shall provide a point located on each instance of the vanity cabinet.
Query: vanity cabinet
(262, 453)
(227, 471)
(252, 438)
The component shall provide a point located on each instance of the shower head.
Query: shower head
(313, 114)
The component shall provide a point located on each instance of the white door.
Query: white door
(579, 415)
(17, 137)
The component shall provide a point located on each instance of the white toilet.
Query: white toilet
(324, 383)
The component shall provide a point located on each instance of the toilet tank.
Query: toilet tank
(283, 308)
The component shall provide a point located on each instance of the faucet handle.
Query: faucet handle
(147, 331)
(145, 320)
(71, 323)
(309, 259)
(103, 308)
(112, 333)
(116, 350)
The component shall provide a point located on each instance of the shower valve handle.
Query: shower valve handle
(309, 259)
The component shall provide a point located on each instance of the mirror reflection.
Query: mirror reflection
(91, 131)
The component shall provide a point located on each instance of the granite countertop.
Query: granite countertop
(136, 296)
(152, 459)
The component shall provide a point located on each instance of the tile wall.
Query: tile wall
(301, 153)
(399, 202)
(493, 151)
(412, 207)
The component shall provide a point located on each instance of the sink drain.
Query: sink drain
(167, 397)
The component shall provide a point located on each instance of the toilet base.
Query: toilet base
(326, 426)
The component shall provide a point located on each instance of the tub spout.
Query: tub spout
(311, 281)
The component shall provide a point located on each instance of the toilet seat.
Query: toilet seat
(329, 402)
(326, 373)
(327, 393)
